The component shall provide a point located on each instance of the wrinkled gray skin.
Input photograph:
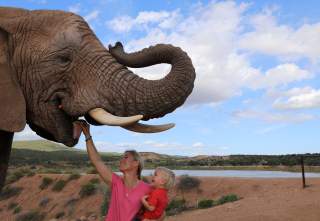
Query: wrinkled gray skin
(52, 58)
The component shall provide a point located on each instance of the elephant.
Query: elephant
(54, 70)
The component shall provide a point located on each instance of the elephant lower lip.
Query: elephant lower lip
(76, 131)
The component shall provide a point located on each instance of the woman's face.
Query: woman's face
(128, 163)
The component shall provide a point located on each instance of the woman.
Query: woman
(126, 191)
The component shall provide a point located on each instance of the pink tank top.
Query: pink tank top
(125, 203)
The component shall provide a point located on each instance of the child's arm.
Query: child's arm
(146, 204)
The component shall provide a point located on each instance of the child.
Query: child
(156, 202)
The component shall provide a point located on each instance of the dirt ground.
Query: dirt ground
(261, 200)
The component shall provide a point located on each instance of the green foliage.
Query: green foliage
(12, 205)
(8, 192)
(95, 181)
(46, 181)
(87, 190)
(92, 170)
(106, 200)
(176, 206)
(58, 186)
(187, 183)
(15, 176)
(74, 176)
(17, 210)
(227, 198)
(31, 216)
(205, 203)
(60, 215)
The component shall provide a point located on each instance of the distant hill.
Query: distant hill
(41, 145)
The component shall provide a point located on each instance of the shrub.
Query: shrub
(15, 176)
(106, 200)
(74, 176)
(95, 181)
(12, 205)
(8, 192)
(92, 170)
(46, 181)
(59, 215)
(17, 210)
(176, 206)
(31, 216)
(58, 186)
(44, 201)
(188, 183)
(206, 203)
(227, 198)
(87, 190)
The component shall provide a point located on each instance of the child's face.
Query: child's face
(158, 179)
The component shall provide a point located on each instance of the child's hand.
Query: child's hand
(144, 198)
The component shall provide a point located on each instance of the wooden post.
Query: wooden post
(302, 170)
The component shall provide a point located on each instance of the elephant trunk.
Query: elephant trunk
(152, 98)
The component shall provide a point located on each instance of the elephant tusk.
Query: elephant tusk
(144, 128)
(104, 117)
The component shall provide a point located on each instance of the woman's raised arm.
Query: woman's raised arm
(103, 170)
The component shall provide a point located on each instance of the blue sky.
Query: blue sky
(257, 63)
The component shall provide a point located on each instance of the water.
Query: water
(238, 173)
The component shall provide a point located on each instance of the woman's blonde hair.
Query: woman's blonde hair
(137, 157)
(169, 176)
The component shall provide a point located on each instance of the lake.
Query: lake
(238, 173)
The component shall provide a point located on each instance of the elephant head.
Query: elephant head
(53, 70)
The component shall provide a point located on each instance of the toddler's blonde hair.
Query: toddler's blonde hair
(168, 175)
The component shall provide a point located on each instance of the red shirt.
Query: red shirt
(159, 199)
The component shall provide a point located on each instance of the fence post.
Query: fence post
(302, 170)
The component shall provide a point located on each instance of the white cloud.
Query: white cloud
(282, 74)
(298, 98)
(198, 144)
(91, 16)
(26, 134)
(162, 19)
(75, 8)
(214, 37)
(269, 37)
(271, 117)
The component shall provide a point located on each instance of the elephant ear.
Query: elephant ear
(12, 102)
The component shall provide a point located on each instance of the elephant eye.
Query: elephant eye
(63, 59)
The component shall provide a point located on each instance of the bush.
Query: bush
(95, 181)
(106, 200)
(176, 206)
(12, 205)
(187, 183)
(17, 210)
(15, 176)
(92, 170)
(44, 201)
(202, 204)
(59, 215)
(227, 198)
(8, 192)
(31, 216)
(46, 181)
(74, 176)
(87, 190)
(58, 186)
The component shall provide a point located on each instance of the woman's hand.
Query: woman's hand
(85, 127)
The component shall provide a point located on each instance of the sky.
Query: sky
(257, 65)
